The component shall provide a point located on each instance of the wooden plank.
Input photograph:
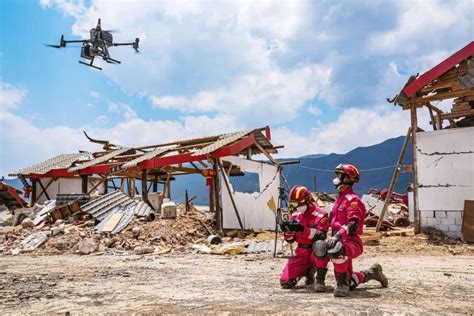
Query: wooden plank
(414, 129)
(230, 194)
(394, 180)
(467, 231)
(265, 152)
(401, 232)
(112, 223)
(452, 115)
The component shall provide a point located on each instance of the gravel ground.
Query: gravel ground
(418, 283)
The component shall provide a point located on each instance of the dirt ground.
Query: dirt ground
(418, 283)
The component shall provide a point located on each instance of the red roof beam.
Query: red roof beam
(228, 150)
(439, 69)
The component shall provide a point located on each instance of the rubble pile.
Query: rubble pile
(396, 214)
(80, 232)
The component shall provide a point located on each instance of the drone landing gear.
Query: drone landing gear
(90, 65)
(112, 61)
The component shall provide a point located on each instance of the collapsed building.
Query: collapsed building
(95, 182)
(443, 159)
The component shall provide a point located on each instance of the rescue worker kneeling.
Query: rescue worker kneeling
(307, 224)
(347, 222)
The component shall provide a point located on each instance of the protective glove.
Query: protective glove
(295, 226)
(331, 242)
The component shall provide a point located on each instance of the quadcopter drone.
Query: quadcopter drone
(97, 46)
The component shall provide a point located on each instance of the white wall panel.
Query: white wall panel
(253, 209)
(445, 161)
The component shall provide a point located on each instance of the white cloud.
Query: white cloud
(422, 24)
(101, 120)
(353, 128)
(73, 8)
(273, 96)
(10, 97)
(22, 138)
(313, 109)
(95, 94)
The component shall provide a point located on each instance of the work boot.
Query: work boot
(309, 276)
(375, 273)
(320, 286)
(342, 288)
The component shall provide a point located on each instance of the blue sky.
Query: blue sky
(317, 72)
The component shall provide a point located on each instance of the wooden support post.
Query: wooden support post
(33, 192)
(96, 185)
(433, 121)
(144, 186)
(186, 202)
(224, 177)
(84, 179)
(122, 185)
(211, 196)
(106, 186)
(43, 188)
(394, 180)
(167, 188)
(414, 129)
(217, 193)
(266, 153)
(155, 183)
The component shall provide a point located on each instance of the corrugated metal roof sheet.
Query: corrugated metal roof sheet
(124, 221)
(149, 155)
(227, 139)
(58, 162)
(144, 210)
(102, 206)
(100, 159)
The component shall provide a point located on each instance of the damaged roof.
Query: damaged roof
(129, 161)
(57, 162)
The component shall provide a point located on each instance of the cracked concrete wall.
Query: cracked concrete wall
(445, 161)
(253, 209)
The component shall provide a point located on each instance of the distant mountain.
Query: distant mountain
(314, 156)
(371, 160)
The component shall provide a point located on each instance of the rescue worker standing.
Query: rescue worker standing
(307, 224)
(347, 222)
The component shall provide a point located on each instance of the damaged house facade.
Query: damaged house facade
(443, 159)
(106, 179)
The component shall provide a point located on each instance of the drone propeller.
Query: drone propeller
(54, 46)
(62, 43)
(135, 45)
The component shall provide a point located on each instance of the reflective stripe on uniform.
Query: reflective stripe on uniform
(312, 233)
(340, 259)
(349, 197)
(355, 278)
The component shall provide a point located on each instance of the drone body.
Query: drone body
(97, 46)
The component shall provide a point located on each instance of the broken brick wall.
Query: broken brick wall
(445, 161)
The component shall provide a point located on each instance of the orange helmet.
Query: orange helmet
(350, 171)
(299, 195)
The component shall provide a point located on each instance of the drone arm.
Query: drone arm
(122, 44)
(76, 41)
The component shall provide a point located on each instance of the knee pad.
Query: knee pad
(336, 251)
(288, 284)
(320, 249)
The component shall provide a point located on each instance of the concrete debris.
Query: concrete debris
(144, 249)
(87, 246)
(31, 242)
(27, 223)
(168, 210)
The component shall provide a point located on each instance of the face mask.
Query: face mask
(302, 208)
(336, 182)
